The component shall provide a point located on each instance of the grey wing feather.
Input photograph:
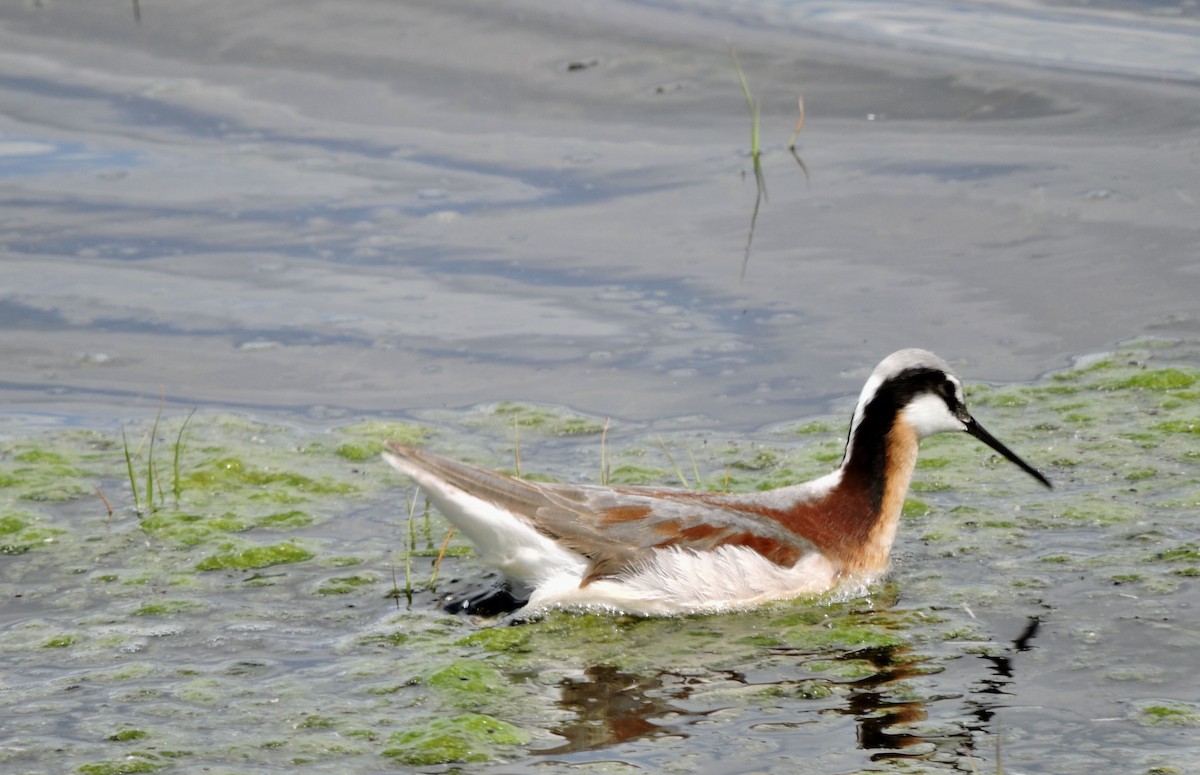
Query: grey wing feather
(614, 528)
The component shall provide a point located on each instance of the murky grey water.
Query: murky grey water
(322, 211)
(363, 207)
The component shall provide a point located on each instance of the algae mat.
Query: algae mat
(267, 601)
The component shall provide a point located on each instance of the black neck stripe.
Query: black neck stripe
(866, 448)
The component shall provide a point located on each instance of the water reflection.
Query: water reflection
(873, 704)
(983, 701)
(610, 706)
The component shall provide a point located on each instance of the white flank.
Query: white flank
(681, 581)
(502, 540)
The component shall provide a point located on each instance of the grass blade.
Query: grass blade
(674, 466)
(695, 468)
(107, 505)
(741, 78)
(605, 463)
(438, 562)
(760, 180)
(792, 143)
(153, 476)
(176, 485)
(150, 457)
(410, 546)
(137, 503)
(517, 447)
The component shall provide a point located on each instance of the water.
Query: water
(1148, 39)
(324, 212)
(332, 205)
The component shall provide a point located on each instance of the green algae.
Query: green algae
(469, 738)
(317, 722)
(367, 439)
(358, 453)
(49, 472)
(637, 475)
(232, 473)
(516, 421)
(241, 557)
(128, 735)
(283, 520)
(1079, 374)
(405, 433)
(1156, 379)
(192, 529)
(505, 639)
(467, 683)
(10, 524)
(759, 459)
(1179, 426)
(841, 669)
(125, 767)
(61, 642)
(1152, 713)
(995, 525)
(189, 529)
(554, 422)
(1101, 512)
(40, 456)
(344, 585)
(835, 636)
(1189, 552)
(168, 607)
(828, 456)
(1010, 400)
(389, 640)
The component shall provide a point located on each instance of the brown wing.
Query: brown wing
(616, 528)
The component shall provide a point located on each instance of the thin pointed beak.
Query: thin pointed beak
(977, 430)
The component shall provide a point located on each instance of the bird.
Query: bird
(648, 551)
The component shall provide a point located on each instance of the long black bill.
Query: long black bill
(976, 430)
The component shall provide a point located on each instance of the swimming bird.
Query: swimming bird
(652, 552)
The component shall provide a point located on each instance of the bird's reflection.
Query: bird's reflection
(612, 706)
(876, 709)
(983, 700)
